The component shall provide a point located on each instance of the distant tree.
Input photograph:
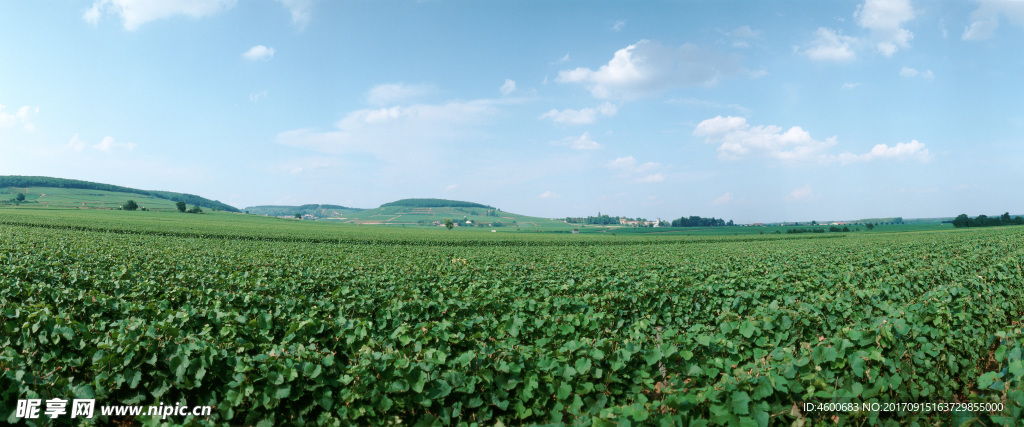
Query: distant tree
(130, 205)
(871, 226)
(181, 207)
(195, 210)
(846, 229)
(298, 216)
(19, 198)
(1005, 218)
(814, 222)
(448, 223)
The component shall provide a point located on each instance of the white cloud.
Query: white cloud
(618, 26)
(508, 87)
(134, 13)
(393, 93)
(582, 142)
(736, 139)
(830, 45)
(580, 117)
(985, 19)
(913, 150)
(549, 195)
(259, 53)
(451, 187)
(849, 86)
(723, 199)
(802, 193)
(910, 72)
(631, 165)
(648, 67)
(885, 18)
(23, 117)
(301, 10)
(564, 59)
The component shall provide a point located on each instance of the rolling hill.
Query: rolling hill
(315, 211)
(430, 212)
(73, 193)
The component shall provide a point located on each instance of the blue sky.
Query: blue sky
(751, 111)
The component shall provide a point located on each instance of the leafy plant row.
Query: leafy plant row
(719, 333)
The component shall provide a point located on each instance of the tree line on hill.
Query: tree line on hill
(45, 181)
(593, 220)
(985, 221)
(696, 221)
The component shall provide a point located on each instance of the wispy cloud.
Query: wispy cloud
(580, 117)
(301, 11)
(395, 93)
(582, 142)
(618, 26)
(257, 96)
(135, 13)
(508, 87)
(107, 145)
(23, 117)
(985, 19)
(723, 199)
(743, 35)
(629, 167)
(910, 73)
(549, 195)
(800, 194)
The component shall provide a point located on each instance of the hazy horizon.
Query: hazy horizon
(755, 112)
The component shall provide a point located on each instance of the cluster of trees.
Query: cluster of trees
(696, 221)
(19, 198)
(435, 203)
(593, 220)
(984, 221)
(45, 181)
(832, 229)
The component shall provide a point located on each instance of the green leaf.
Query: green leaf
(283, 392)
(747, 329)
(652, 356)
(740, 402)
(563, 391)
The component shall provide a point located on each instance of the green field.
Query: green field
(73, 198)
(280, 321)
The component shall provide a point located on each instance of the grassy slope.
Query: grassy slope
(234, 226)
(52, 197)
